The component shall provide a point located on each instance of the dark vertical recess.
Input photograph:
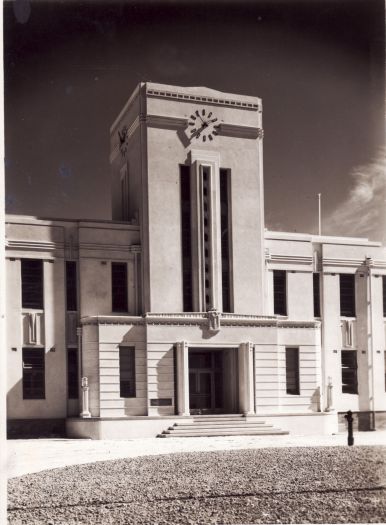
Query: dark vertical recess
(71, 288)
(316, 286)
(280, 292)
(72, 373)
(186, 239)
(225, 245)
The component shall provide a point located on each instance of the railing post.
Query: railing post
(350, 437)
(85, 411)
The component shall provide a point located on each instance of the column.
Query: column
(183, 379)
(246, 379)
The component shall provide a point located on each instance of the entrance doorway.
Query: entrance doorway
(209, 371)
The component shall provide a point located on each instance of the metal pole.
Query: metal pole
(319, 214)
(350, 437)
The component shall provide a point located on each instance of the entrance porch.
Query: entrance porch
(215, 380)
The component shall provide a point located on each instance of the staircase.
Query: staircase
(221, 425)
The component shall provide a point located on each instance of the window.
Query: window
(316, 283)
(33, 373)
(72, 373)
(71, 289)
(384, 294)
(127, 371)
(347, 294)
(292, 370)
(349, 372)
(279, 292)
(186, 239)
(119, 287)
(225, 238)
(32, 283)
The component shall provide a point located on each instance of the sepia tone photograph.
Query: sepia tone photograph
(193, 308)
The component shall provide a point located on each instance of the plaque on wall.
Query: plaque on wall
(161, 402)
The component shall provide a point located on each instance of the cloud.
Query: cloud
(363, 213)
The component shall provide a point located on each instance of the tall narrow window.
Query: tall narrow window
(119, 287)
(279, 292)
(124, 193)
(72, 373)
(32, 283)
(349, 372)
(127, 371)
(186, 238)
(33, 373)
(316, 284)
(71, 288)
(225, 245)
(292, 370)
(207, 240)
(347, 294)
(384, 294)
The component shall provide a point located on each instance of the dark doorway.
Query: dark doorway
(206, 381)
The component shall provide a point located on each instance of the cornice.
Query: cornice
(351, 263)
(44, 246)
(228, 102)
(111, 320)
(289, 259)
(197, 319)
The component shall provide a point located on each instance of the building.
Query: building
(184, 304)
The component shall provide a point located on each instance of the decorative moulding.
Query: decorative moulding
(167, 122)
(290, 259)
(197, 318)
(234, 130)
(202, 99)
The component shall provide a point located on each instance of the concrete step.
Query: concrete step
(220, 417)
(219, 425)
(213, 433)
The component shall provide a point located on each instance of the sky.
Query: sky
(70, 66)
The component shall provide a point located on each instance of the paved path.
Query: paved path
(33, 455)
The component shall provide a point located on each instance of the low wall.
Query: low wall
(117, 428)
(317, 423)
(35, 428)
(305, 424)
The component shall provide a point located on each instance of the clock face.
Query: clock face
(123, 140)
(203, 125)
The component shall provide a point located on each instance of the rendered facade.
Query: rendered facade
(184, 306)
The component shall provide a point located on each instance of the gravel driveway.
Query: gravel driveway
(286, 485)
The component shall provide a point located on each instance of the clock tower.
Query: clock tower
(187, 167)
